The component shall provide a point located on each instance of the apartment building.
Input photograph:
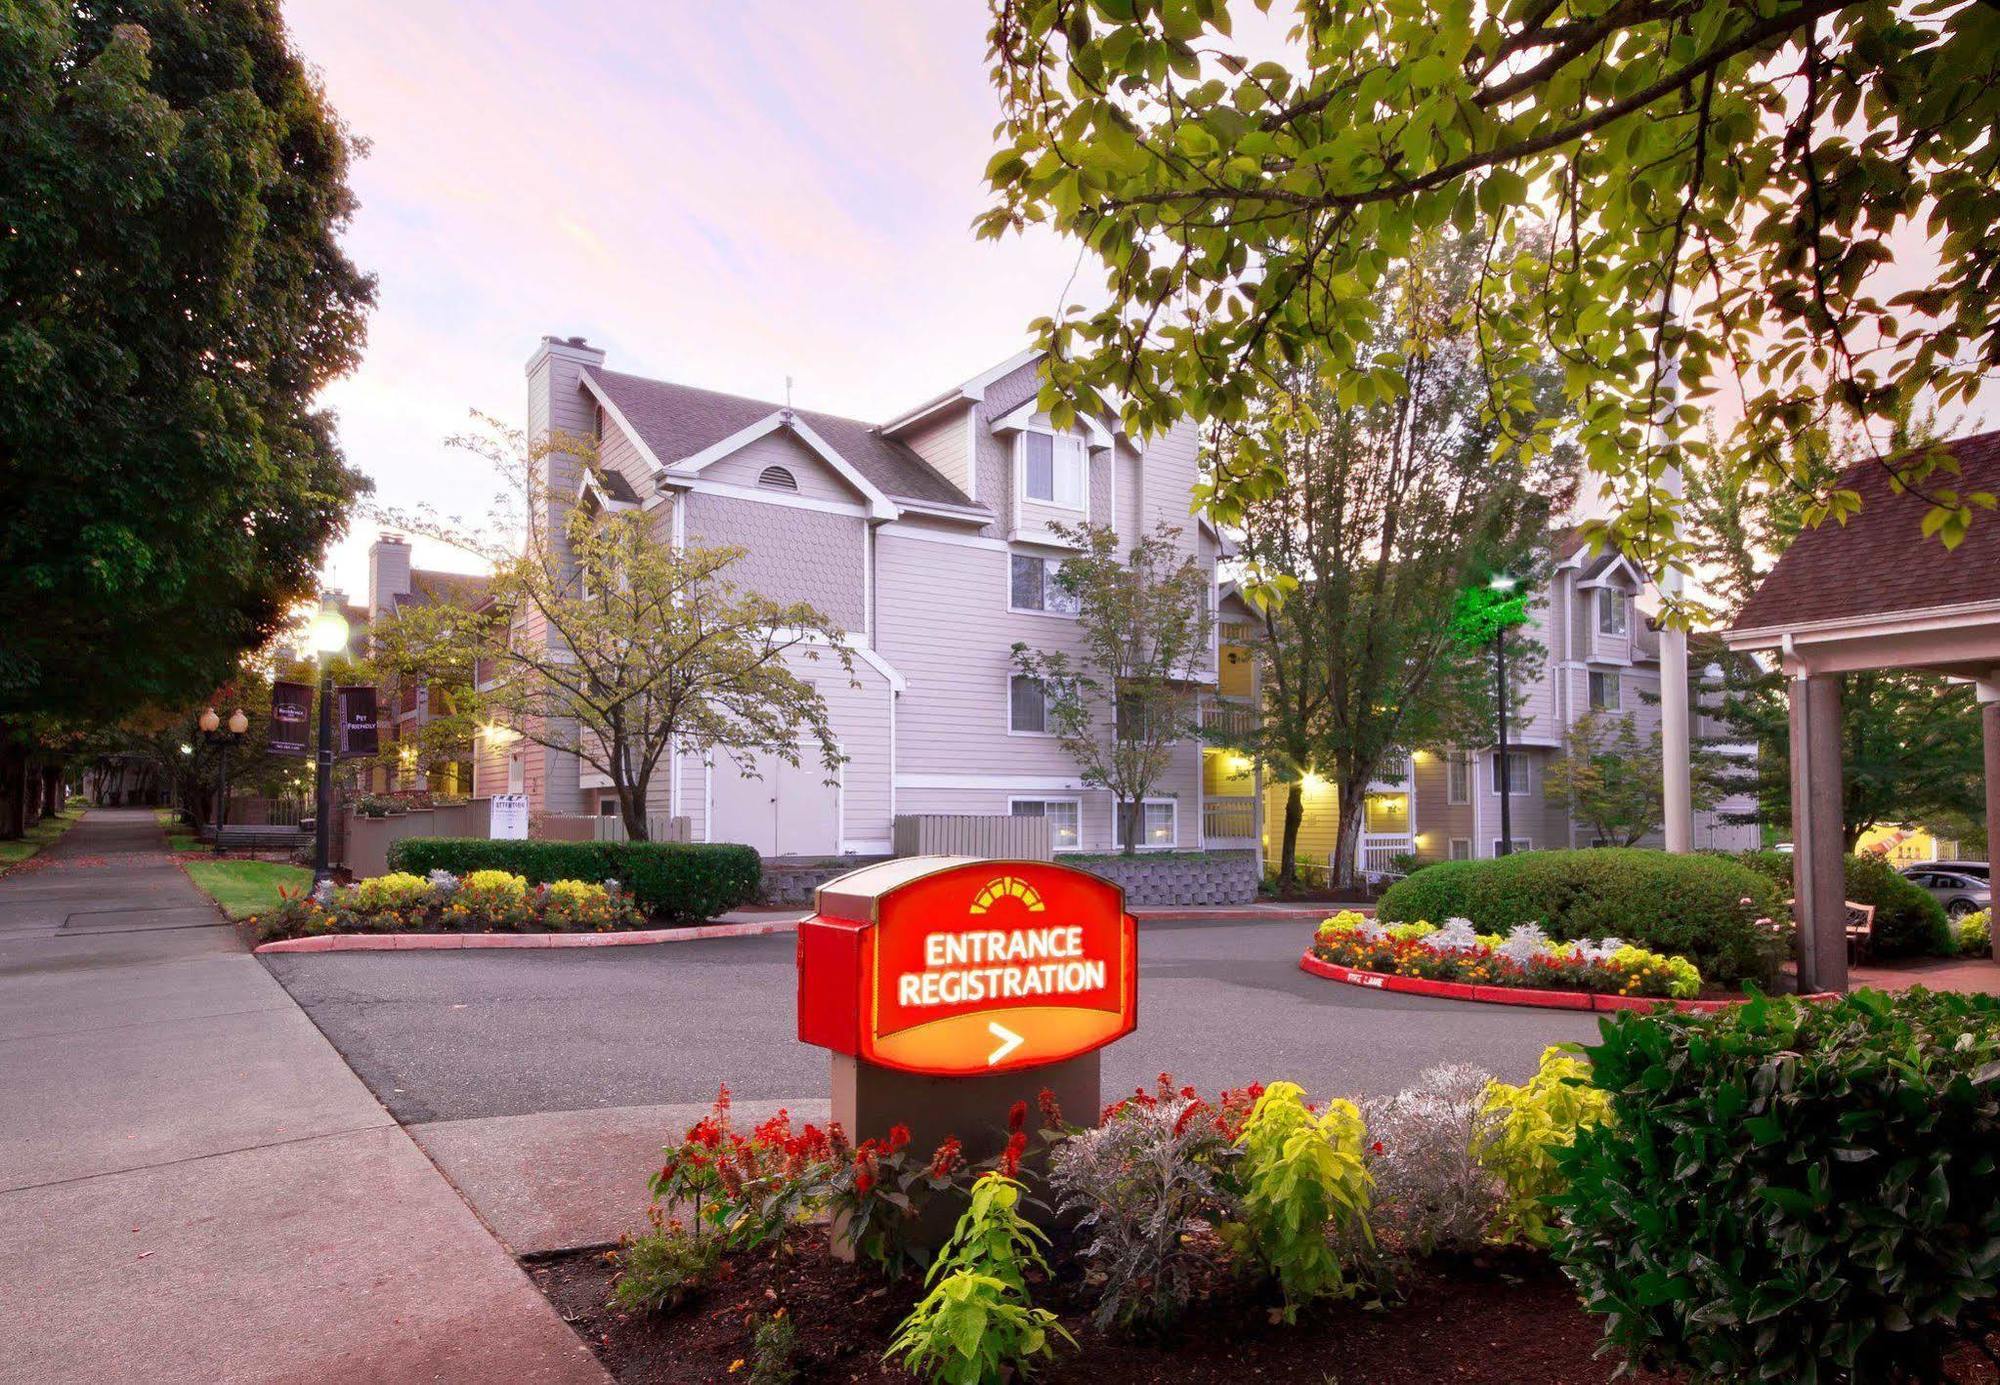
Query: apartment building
(928, 539)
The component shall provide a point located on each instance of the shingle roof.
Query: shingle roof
(428, 588)
(677, 421)
(1880, 562)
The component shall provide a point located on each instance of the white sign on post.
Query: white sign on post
(510, 817)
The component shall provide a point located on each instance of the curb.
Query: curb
(451, 942)
(1274, 913)
(1514, 995)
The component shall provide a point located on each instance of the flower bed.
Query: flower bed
(480, 902)
(1525, 958)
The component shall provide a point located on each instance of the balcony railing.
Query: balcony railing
(1229, 819)
(1379, 851)
(1229, 721)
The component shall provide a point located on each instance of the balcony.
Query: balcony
(1228, 722)
(1229, 819)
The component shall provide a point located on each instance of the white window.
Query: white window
(1610, 611)
(1458, 778)
(1027, 706)
(1156, 824)
(1513, 776)
(1461, 848)
(607, 807)
(517, 774)
(1604, 692)
(1053, 467)
(1032, 586)
(1065, 817)
(1520, 844)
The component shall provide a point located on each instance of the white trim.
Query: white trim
(1450, 842)
(972, 453)
(1493, 773)
(708, 796)
(1023, 783)
(589, 485)
(1010, 676)
(680, 526)
(938, 509)
(973, 389)
(1020, 460)
(1074, 800)
(1908, 621)
(857, 644)
(617, 416)
(1047, 577)
(1026, 418)
(901, 529)
(868, 585)
(871, 847)
(1144, 804)
(879, 504)
(702, 486)
(1520, 844)
(1470, 763)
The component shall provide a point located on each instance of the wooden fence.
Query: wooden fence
(956, 834)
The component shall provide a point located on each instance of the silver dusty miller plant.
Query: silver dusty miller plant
(1429, 1189)
(1142, 1183)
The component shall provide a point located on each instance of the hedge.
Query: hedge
(674, 882)
(1791, 1190)
(1908, 922)
(1685, 906)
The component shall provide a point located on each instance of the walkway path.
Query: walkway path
(193, 1185)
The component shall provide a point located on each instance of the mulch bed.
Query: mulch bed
(1507, 1319)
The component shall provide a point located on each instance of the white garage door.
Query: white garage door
(787, 811)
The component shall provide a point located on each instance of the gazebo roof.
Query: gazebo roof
(1880, 561)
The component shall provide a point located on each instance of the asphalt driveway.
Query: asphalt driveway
(444, 1036)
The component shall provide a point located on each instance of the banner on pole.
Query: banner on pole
(358, 733)
(291, 718)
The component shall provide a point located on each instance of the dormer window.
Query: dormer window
(1610, 611)
(1053, 468)
(778, 479)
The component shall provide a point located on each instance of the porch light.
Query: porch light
(238, 722)
(329, 630)
(1502, 582)
(208, 721)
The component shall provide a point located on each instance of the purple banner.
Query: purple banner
(291, 719)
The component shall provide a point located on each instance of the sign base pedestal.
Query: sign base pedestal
(868, 1099)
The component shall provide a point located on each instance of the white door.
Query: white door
(785, 811)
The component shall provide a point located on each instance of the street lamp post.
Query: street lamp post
(1504, 585)
(212, 732)
(329, 639)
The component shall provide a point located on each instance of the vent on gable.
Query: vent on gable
(778, 479)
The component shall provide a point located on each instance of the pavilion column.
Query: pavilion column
(1989, 726)
(1818, 879)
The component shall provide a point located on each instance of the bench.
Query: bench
(1860, 928)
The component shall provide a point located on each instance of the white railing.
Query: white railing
(1229, 819)
(1229, 721)
(660, 827)
(1379, 851)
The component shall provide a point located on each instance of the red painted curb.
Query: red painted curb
(445, 942)
(1514, 995)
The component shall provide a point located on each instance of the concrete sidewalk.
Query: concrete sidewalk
(193, 1185)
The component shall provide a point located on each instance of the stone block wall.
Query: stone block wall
(1178, 878)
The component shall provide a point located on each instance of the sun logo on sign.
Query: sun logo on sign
(1008, 887)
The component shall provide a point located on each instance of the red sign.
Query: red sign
(935, 964)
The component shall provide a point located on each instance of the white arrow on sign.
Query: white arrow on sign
(1009, 1041)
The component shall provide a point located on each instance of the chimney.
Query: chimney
(388, 571)
(558, 401)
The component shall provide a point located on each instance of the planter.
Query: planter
(1511, 995)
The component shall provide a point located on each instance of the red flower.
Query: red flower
(1017, 1115)
(1051, 1109)
(899, 1136)
(1010, 1158)
(863, 1181)
(947, 1158)
(1377, 1146)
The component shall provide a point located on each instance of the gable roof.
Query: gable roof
(1880, 562)
(430, 588)
(675, 422)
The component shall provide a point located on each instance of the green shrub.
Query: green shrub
(1908, 922)
(1682, 906)
(1794, 1191)
(674, 882)
(1525, 1128)
(1303, 1176)
(1972, 935)
(977, 1326)
(662, 1268)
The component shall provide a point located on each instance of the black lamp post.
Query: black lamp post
(212, 732)
(329, 639)
(1504, 585)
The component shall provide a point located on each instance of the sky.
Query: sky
(716, 194)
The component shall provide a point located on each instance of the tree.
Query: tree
(1378, 512)
(604, 642)
(173, 298)
(1124, 702)
(1610, 777)
(1910, 741)
(1719, 183)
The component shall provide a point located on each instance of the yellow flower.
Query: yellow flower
(736, 1365)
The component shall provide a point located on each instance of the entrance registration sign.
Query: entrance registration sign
(954, 967)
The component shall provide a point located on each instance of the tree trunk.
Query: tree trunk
(1350, 809)
(1128, 813)
(13, 787)
(632, 808)
(1288, 850)
(52, 790)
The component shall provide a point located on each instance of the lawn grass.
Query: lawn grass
(244, 888)
(180, 837)
(40, 835)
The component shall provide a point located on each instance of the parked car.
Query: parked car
(1954, 884)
